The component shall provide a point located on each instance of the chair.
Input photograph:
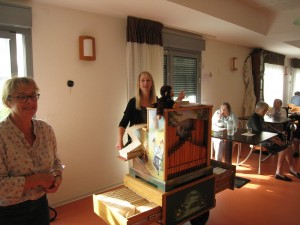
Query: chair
(286, 110)
(241, 124)
(291, 105)
(288, 137)
(252, 149)
(295, 109)
(234, 143)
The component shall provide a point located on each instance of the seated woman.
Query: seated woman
(274, 145)
(219, 119)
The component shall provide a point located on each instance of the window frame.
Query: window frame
(185, 44)
(276, 72)
(27, 37)
(17, 19)
(170, 53)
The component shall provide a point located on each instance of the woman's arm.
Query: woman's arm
(124, 122)
(43, 180)
(120, 144)
(181, 96)
(127, 113)
(215, 118)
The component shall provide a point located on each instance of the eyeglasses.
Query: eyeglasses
(24, 98)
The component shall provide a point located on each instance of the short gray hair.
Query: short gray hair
(261, 105)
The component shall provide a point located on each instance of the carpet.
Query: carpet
(240, 182)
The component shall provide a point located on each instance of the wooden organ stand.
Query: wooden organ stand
(171, 176)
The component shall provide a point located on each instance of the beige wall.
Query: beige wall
(219, 82)
(85, 117)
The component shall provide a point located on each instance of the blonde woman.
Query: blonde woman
(135, 112)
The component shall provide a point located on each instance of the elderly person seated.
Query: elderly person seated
(277, 110)
(219, 120)
(273, 145)
(295, 116)
(296, 99)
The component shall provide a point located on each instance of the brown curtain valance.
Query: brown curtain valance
(274, 58)
(257, 71)
(295, 63)
(144, 31)
(259, 57)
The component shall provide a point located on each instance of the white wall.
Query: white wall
(219, 82)
(85, 118)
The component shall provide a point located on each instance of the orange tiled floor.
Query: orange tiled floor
(263, 201)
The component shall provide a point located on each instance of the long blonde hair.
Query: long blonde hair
(138, 94)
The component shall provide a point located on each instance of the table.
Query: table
(268, 119)
(276, 124)
(256, 139)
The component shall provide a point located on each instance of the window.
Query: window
(181, 62)
(296, 82)
(15, 45)
(182, 73)
(273, 83)
(13, 60)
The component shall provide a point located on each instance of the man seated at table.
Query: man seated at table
(278, 112)
(274, 145)
(219, 121)
(296, 99)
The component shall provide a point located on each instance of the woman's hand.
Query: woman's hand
(181, 96)
(119, 145)
(44, 180)
(55, 184)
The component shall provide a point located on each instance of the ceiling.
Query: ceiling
(264, 24)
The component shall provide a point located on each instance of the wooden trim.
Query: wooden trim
(82, 52)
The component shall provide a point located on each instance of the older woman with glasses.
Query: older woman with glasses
(29, 164)
(219, 120)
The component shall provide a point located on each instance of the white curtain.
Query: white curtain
(295, 80)
(144, 57)
(144, 51)
(249, 97)
(273, 82)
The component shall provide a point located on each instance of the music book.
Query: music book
(135, 148)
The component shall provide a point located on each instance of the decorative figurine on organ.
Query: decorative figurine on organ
(165, 101)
